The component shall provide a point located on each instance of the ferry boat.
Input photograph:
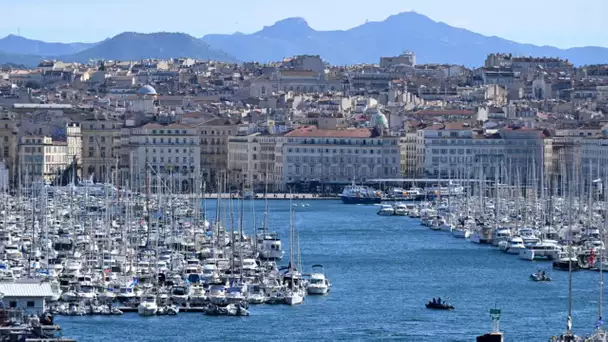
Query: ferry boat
(357, 194)
(399, 194)
(452, 189)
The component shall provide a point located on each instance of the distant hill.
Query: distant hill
(14, 59)
(433, 42)
(23, 46)
(136, 46)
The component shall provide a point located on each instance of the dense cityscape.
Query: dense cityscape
(297, 124)
(511, 154)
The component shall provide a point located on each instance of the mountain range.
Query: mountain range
(433, 42)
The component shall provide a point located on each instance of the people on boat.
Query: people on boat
(434, 301)
(439, 301)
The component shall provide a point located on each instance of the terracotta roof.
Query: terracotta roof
(457, 126)
(313, 131)
(444, 112)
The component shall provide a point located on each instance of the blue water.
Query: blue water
(383, 270)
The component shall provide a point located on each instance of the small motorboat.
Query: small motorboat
(439, 306)
(540, 276)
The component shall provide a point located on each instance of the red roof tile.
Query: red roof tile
(444, 112)
(313, 131)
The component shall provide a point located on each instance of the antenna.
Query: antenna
(18, 32)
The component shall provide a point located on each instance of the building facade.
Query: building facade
(256, 161)
(333, 158)
(214, 136)
(41, 159)
(165, 158)
(100, 148)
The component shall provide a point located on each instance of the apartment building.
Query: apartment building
(100, 148)
(410, 158)
(164, 157)
(584, 150)
(214, 136)
(457, 150)
(74, 141)
(337, 157)
(41, 158)
(9, 144)
(255, 160)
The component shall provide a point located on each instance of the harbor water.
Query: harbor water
(383, 270)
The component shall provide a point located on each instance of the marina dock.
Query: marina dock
(188, 309)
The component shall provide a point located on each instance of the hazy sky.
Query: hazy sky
(544, 22)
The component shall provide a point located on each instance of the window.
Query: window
(30, 304)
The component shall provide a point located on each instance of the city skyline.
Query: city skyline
(539, 23)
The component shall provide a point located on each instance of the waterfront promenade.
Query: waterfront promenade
(278, 196)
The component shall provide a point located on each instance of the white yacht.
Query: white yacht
(148, 306)
(126, 293)
(217, 294)
(386, 210)
(236, 294)
(446, 226)
(500, 234)
(543, 250)
(269, 246)
(294, 297)
(461, 233)
(482, 236)
(401, 210)
(196, 295)
(528, 236)
(512, 246)
(318, 284)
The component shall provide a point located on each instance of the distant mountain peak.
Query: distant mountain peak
(432, 41)
(289, 26)
(299, 21)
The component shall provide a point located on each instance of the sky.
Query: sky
(558, 23)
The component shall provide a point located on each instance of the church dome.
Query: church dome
(147, 90)
(379, 120)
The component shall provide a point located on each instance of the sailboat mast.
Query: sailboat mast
(570, 204)
(601, 303)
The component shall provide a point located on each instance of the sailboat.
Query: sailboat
(599, 334)
(569, 336)
(294, 295)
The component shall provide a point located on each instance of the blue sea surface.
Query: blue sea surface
(383, 270)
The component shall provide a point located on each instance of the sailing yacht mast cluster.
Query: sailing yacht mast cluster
(106, 249)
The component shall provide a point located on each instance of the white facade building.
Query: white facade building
(458, 151)
(339, 156)
(41, 159)
(256, 159)
(168, 156)
(31, 297)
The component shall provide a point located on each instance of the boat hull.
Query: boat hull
(360, 200)
(317, 290)
(461, 233)
(439, 307)
(147, 310)
(294, 299)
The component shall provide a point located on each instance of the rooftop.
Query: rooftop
(444, 112)
(313, 131)
(26, 289)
